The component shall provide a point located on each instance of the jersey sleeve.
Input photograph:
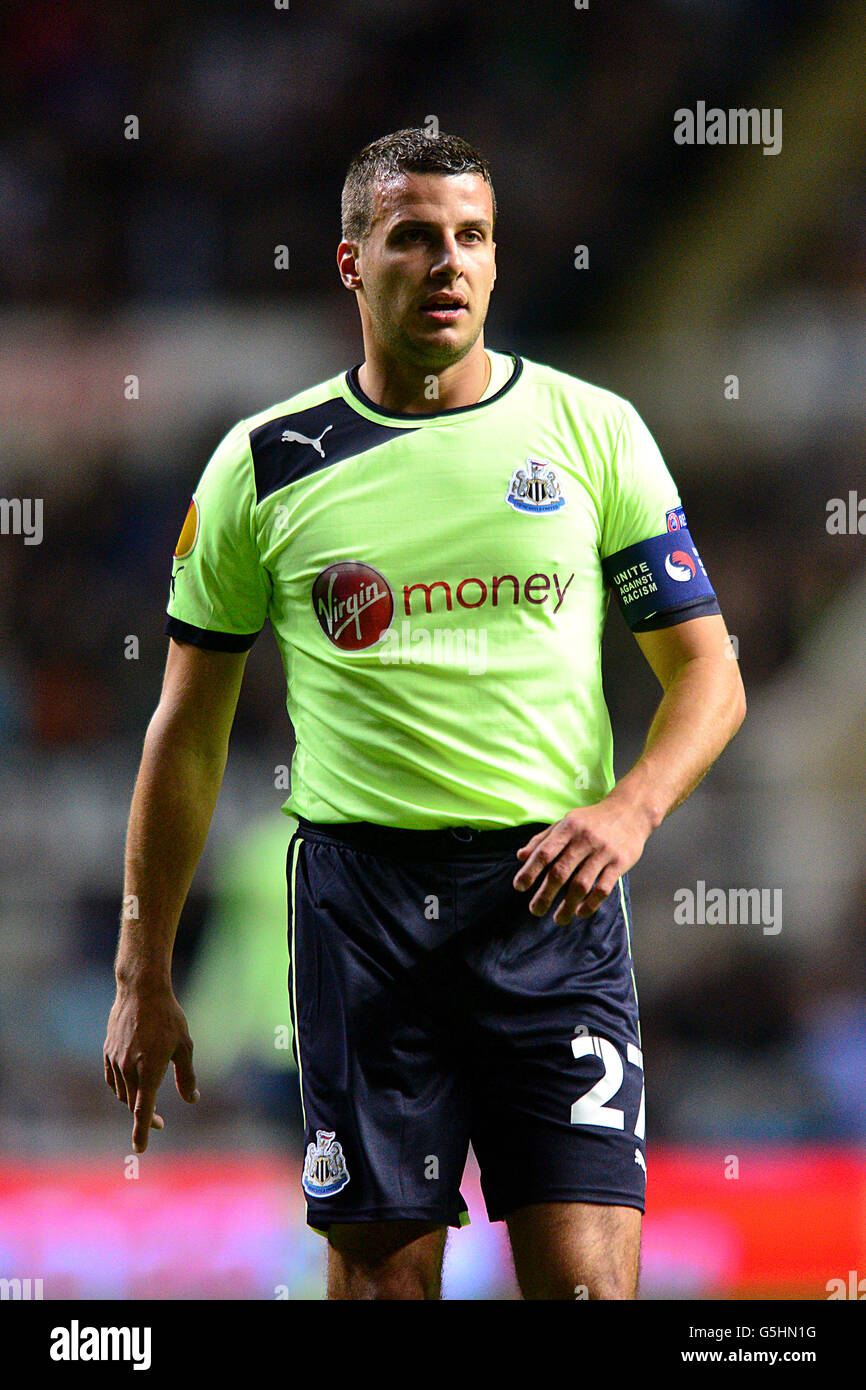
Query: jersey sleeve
(648, 556)
(220, 590)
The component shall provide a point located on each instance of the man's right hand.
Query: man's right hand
(182, 765)
(146, 1030)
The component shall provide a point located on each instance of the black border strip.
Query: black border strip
(699, 608)
(204, 637)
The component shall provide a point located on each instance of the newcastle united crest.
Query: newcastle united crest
(325, 1171)
(535, 488)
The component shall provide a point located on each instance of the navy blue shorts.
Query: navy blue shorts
(431, 1009)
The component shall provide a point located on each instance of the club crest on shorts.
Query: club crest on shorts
(325, 1171)
(535, 488)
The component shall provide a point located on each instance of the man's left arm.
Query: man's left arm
(702, 707)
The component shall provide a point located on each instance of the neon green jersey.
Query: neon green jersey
(436, 589)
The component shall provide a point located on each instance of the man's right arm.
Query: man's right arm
(176, 790)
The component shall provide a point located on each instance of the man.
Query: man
(434, 536)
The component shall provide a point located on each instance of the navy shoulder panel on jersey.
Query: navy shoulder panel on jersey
(291, 447)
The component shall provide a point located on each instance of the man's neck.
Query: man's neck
(408, 391)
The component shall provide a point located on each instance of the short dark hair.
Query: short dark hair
(403, 151)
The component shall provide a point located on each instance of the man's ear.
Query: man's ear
(347, 264)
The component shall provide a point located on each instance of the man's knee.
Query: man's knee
(608, 1284)
(564, 1282)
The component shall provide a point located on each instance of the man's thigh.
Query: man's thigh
(557, 1068)
(386, 1112)
(385, 1260)
(569, 1250)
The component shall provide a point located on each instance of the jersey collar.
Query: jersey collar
(351, 379)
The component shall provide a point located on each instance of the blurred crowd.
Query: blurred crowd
(247, 116)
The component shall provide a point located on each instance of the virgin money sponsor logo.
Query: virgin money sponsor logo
(354, 605)
(496, 592)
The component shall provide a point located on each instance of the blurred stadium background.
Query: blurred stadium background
(154, 258)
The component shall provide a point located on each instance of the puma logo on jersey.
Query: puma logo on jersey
(292, 437)
(639, 1159)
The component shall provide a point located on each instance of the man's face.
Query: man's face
(427, 267)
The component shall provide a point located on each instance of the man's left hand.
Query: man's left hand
(588, 850)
